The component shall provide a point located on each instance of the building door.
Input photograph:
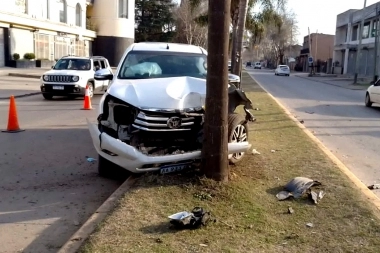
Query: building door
(2, 51)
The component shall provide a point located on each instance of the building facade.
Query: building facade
(54, 28)
(320, 47)
(347, 41)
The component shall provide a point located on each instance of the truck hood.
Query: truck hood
(64, 72)
(161, 93)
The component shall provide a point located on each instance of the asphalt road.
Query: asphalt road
(47, 187)
(336, 115)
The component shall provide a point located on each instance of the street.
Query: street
(48, 188)
(337, 116)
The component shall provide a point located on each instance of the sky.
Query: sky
(321, 14)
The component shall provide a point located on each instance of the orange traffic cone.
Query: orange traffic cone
(13, 126)
(87, 100)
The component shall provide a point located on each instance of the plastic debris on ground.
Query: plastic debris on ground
(195, 219)
(90, 159)
(298, 186)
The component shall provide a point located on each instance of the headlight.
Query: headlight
(75, 78)
(46, 78)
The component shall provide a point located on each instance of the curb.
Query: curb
(25, 75)
(362, 187)
(20, 96)
(82, 234)
(319, 81)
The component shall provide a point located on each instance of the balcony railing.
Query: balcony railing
(90, 25)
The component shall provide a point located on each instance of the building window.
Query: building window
(123, 8)
(21, 6)
(48, 9)
(365, 33)
(354, 33)
(42, 42)
(78, 15)
(62, 7)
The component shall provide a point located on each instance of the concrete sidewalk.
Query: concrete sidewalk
(18, 87)
(339, 81)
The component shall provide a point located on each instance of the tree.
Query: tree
(191, 31)
(243, 8)
(154, 20)
(215, 145)
(280, 36)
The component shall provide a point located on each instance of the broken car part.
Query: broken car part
(296, 187)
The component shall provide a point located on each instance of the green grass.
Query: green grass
(249, 217)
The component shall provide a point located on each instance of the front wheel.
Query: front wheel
(237, 132)
(90, 89)
(368, 102)
(47, 96)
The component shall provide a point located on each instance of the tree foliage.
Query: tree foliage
(154, 20)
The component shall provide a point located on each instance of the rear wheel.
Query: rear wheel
(368, 102)
(237, 132)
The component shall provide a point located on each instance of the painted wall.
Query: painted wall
(107, 22)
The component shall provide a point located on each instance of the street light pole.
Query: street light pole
(358, 52)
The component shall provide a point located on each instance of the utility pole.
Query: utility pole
(358, 52)
(215, 143)
(376, 33)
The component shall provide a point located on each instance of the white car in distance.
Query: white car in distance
(282, 70)
(373, 94)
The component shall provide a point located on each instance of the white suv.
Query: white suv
(70, 76)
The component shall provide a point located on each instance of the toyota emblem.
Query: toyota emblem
(174, 122)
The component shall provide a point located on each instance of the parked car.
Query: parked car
(70, 76)
(248, 64)
(282, 70)
(257, 65)
(373, 94)
(151, 117)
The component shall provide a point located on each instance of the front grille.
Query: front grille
(60, 79)
(151, 122)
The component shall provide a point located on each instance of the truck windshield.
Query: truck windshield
(142, 65)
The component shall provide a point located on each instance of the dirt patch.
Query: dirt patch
(249, 217)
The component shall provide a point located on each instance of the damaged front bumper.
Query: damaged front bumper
(133, 160)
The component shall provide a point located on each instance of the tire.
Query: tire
(108, 169)
(47, 96)
(368, 102)
(105, 167)
(91, 89)
(237, 132)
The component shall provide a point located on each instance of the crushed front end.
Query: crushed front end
(141, 140)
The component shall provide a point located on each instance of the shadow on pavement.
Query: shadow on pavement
(48, 188)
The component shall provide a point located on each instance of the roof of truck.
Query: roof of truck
(169, 47)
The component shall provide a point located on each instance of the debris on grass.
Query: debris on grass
(255, 152)
(197, 218)
(310, 225)
(316, 197)
(374, 187)
(297, 187)
(290, 210)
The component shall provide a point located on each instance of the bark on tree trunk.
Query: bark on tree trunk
(243, 7)
(214, 151)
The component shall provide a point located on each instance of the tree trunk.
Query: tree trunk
(243, 7)
(214, 151)
(234, 22)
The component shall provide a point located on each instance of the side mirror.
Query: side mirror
(103, 75)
